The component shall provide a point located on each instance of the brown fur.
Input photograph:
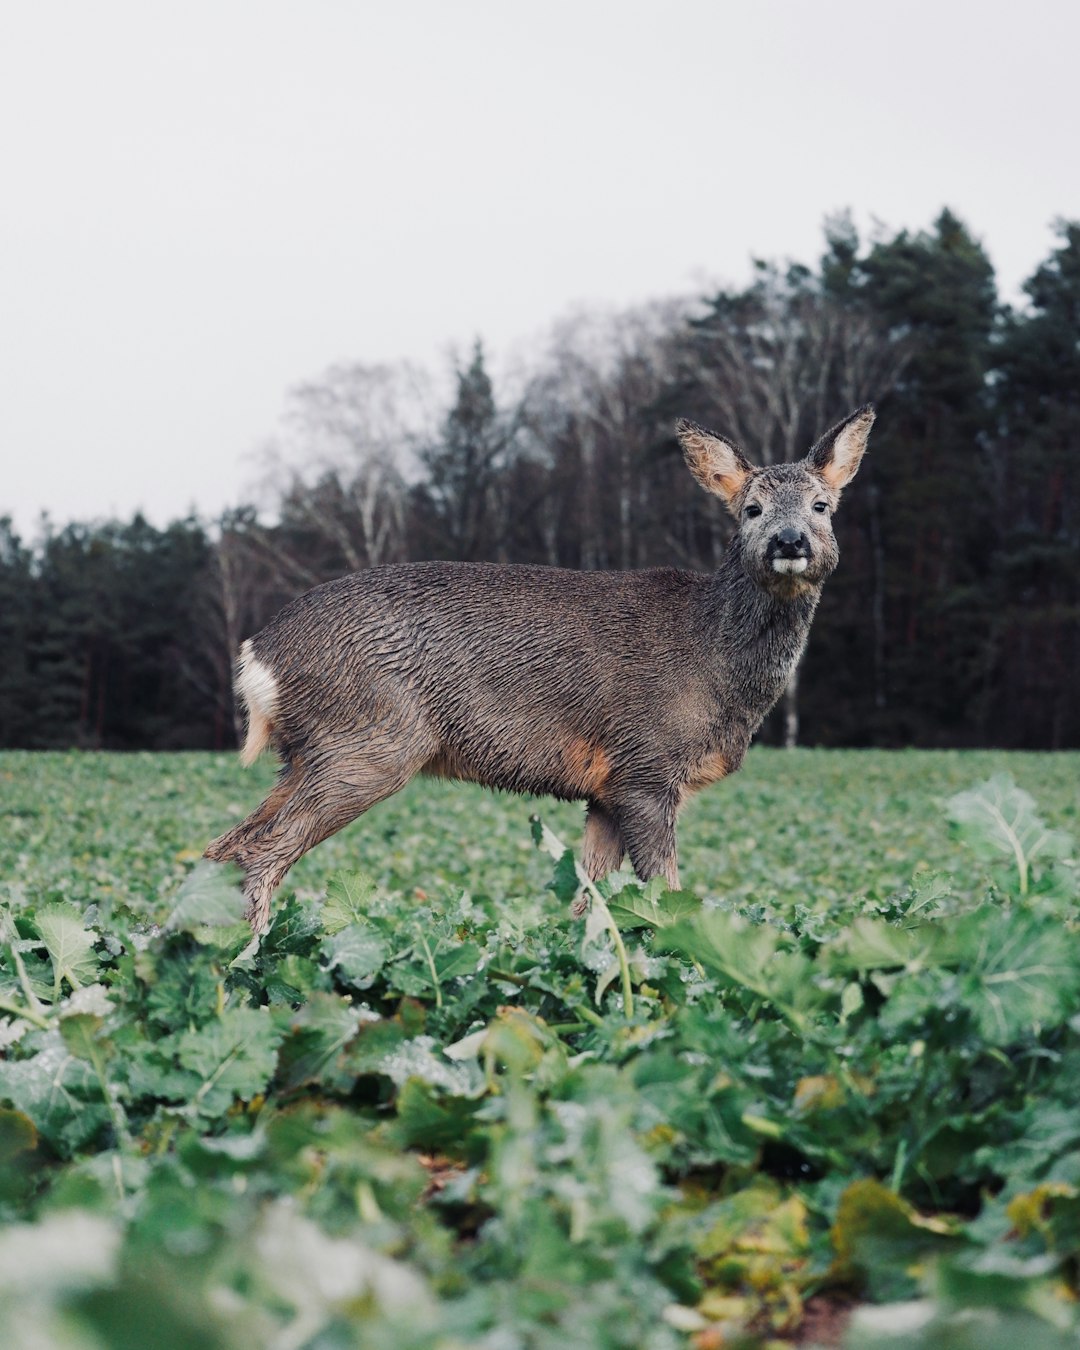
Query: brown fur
(711, 769)
(587, 769)
(631, 690)
(259, 731)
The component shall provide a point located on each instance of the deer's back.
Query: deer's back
(532, 678)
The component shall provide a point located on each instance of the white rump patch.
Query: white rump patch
(790, 566)
(256, 684)
(257, 689)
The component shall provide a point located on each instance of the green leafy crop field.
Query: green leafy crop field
(831, 1090)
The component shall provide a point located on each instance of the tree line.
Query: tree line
(954, 618)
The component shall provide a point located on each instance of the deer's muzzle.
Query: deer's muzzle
(788, 551)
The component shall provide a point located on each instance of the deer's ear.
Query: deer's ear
(718, 465)
(838, 453)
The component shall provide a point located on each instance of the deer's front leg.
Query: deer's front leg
(647, 824)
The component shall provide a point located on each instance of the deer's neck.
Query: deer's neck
(756, 636)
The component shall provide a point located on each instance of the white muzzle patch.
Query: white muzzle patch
(790, 566)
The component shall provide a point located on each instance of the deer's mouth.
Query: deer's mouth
(790, 566)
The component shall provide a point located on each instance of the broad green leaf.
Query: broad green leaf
(69, 944)
(208, 899)
(348, 900)
(82, 1016)
(751, 956)
(999, 820)
(460, 960)
(27, 981)
(59, 1092)
(731, 946)
(565, 882)
(80, 1033)
(851, 1001)
(233, 1057)
(928, 889)
(654, 906)
(420, 1057)
(296, 929)
(1018, 971)
(427, 1119)
(318, 1033)
(358, 951)
(873, 944)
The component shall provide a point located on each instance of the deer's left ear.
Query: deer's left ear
(838, 454)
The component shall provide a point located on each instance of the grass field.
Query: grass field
(432, 1110)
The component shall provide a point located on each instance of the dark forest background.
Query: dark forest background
(954, 618)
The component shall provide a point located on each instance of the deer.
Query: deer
(630, 691)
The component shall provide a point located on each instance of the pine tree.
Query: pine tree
(17, 689)
(463, 498)
(1036, 639)
(936, 292)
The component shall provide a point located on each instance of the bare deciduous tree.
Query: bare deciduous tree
(593, 406)
(345, 445)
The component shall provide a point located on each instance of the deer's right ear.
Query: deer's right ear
(718, 465)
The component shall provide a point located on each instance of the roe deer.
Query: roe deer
(630, 690)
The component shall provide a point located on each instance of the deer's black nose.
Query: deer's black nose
(789, 543)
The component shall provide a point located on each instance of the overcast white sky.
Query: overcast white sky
(204, 203)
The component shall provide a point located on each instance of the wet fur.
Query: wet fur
(629, 690)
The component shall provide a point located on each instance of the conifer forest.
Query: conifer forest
(954, 617)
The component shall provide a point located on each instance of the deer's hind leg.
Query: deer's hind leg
(228, 847)
(320, 792)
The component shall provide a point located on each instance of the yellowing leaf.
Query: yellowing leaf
(17, 1134)
(1030, 1212)
(820, 1092)
(882, 1242)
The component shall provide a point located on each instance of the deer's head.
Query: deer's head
(784, 512)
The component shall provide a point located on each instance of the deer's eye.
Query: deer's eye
(821, 507)
(753, 509)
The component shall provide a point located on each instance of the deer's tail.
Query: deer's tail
(257, 690)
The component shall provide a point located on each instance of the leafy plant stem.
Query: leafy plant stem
(620, 952)
(554, 846)
(431, 967)
(24, 980)
(116, 1115)
(27, 1014)
(899, 1164)
(509, 977)
(118, 1175)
